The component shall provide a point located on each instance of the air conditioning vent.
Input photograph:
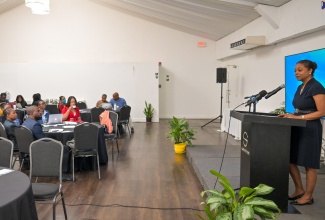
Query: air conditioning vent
(248, 43)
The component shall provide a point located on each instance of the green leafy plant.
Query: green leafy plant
(227, 205)
(148, 110)
(278, 111)
(180, 131)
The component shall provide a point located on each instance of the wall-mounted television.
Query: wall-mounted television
(291, 83)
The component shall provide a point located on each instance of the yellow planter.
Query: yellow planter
(180, 148)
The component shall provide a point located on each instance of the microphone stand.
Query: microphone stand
(220, 116)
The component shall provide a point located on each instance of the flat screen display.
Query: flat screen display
(291, 83)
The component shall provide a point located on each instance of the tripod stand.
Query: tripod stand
(220, 116)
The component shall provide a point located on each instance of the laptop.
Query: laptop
(55, 119)
(107, 106)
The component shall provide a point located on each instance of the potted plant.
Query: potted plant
(181, 134)
(148, 112)
(228, 205)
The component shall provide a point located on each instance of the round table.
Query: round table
(68, 134)
(16, 197)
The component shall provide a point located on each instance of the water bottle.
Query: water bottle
(114, 106)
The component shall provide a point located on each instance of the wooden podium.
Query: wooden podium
(265, 152)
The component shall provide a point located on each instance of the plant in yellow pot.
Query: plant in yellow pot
(181, 134)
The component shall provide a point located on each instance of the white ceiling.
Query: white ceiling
(211, 19)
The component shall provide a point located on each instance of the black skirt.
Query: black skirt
(306, 144)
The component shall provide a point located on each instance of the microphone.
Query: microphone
(248, 97)
(260, 95)
(274, 91)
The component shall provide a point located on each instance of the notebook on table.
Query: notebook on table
(55, 119)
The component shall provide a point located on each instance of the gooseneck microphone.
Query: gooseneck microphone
(260, 95)
(274, 91)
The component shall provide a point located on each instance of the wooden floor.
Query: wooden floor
(146, 173)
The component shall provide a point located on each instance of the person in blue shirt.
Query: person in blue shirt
(120, 102)
(45, 114)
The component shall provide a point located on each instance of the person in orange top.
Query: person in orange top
(71, 112)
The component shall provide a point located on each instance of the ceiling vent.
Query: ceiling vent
(248, 43)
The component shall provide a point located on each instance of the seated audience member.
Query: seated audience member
(100, 102)
(16, 121)
(36, 98)
(45, 114)
(2, 118)
(36, 128)
(10, 116)
(62, 102)
(71, 112)
(120, 102)
(3, 97)
(20, 99)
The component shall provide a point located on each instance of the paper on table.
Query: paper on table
(5, 171)
(56, 130)
(69, 126)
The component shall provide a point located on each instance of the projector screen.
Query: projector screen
(292, 83)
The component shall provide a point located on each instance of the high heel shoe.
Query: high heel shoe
(306, 203)
(295, 197)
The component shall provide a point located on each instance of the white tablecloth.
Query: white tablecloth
(235, 124)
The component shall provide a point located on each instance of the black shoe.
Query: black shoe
(66, 177)
(306, 203)
(132, 130)
(295, 197)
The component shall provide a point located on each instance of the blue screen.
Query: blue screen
(291, 83)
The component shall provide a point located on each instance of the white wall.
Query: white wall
(263, 68)
(301, 29)
(82, 31)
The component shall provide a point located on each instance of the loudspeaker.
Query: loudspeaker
(221, 75)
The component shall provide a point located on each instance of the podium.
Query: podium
(265, 152)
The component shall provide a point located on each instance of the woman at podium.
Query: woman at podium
(309, 102)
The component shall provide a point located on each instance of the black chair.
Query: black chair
(124, 116)
(81, 105)
(6, 149)
(52, 108)
(113, 136)
(24, 138)
(3, 132)
(95, 112)
(46, 157)
(85, 143)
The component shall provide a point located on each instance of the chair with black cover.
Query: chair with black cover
(6, 149)
(24, 138)
(81, 105)
(124, 116)
(85, 143)
(52, 108)
(3, 132)
(113, 136)
(46, 157)
(95, 112)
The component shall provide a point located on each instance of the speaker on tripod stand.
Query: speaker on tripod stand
(221, 78)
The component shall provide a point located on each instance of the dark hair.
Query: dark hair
(2, 105)
(309, 65)
(69, 100)
(60, 98)
(3, 94)
(36, 97)
(22, 98)
(7, 111)
(104, 95)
